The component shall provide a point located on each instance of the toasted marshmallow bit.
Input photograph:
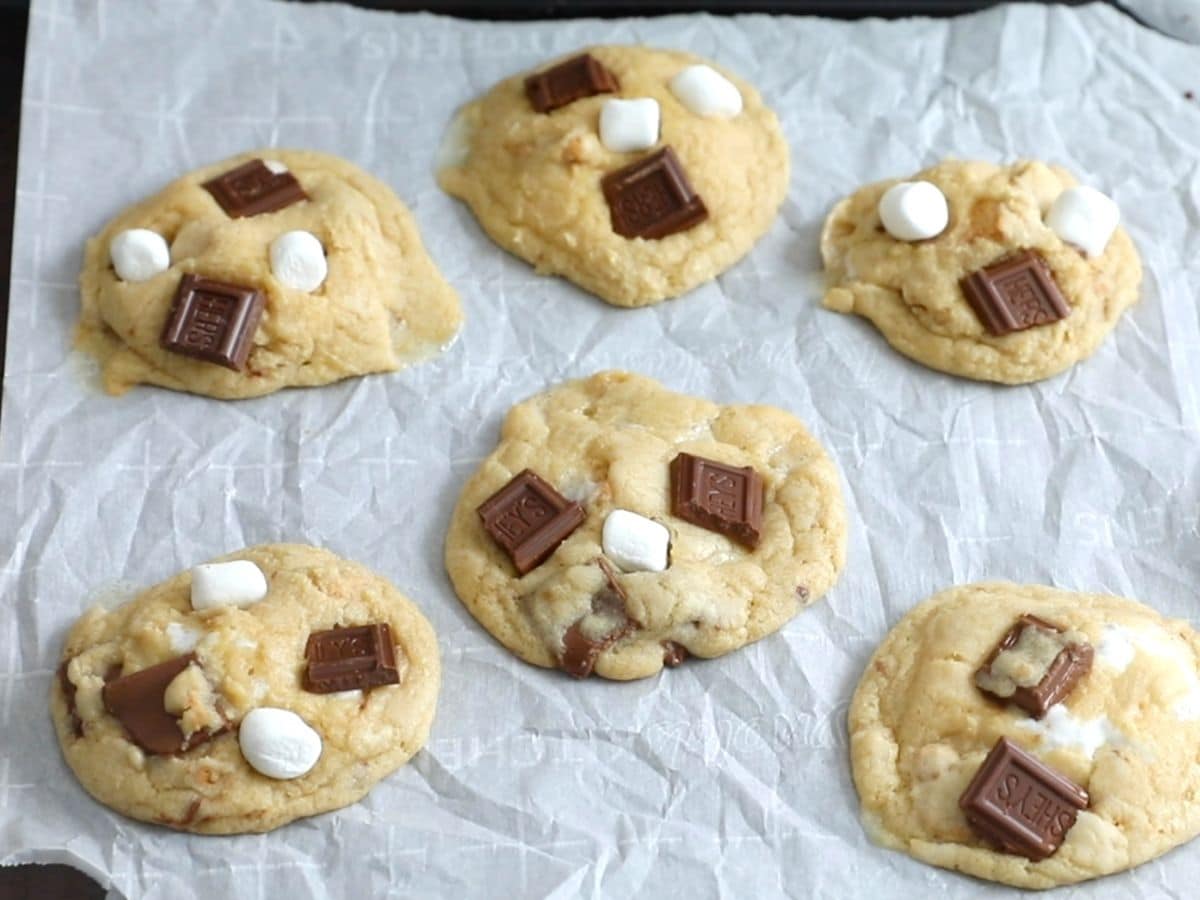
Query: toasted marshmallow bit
(707, 92)
(236, 583)
(278, 743)
(914, 210)
(298, 260)
(1084, 217)
(635, 543)
(139, 254)
(627, 125)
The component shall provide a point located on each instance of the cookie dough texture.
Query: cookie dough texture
(533, 179)
(251, 657)
(911, 292)
(920, 728)
(383, 305)
(607, 441)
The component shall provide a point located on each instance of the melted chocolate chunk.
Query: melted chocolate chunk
(579, 651)
(578, 77)
(252, 188)
(1014, 294)
(137, 702)
(347, 659)
(652, 198)
(213, 321)
(529, 519)
(68, 690)
(1062, 673)
(721, 498)
(674, 653)
(1020, 804)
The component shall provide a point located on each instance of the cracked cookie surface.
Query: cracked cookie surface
(246, 658)
(1127, 733)
(533, 180)
(382, 306)
(607, 442)
(911, 291)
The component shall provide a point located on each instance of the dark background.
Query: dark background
(63, 882)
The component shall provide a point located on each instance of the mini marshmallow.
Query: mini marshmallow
(139, 254)
(635, 543)
(236, 583)
(278, 743)
(627, 125)
(298, 260)
(1084, 217)
(707, 92)
(181, 638)
(914, 210)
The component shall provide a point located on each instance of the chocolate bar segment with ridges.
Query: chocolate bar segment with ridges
(1062, 674)
(1020, 804)
(725, 499)
(652, 198)
(214, 321)
(349, 659)
(253, 188)
(1016, 293)
(529, 519)
(578, 77)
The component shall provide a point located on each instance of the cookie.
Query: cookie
(1024, 278)
(272, 269)
(620, 527)
(636, 173)
(1030, 736)
(279, 682)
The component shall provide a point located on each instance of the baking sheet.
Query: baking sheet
(727, 777)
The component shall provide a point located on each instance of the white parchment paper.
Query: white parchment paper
(728, 777)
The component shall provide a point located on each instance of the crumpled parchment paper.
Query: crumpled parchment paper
(727, 777)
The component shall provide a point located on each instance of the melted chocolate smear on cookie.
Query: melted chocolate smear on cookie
(674, 654)
(581, 652)
(68, 689)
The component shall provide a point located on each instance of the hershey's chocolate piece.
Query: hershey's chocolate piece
(213, 321)
(1062, 672)
(347, 659)
(529, 519)
(578, 77)
(579, 651)
(1016, 293)
(252, 188)
(721, 498)
(1021, 804)
(652, 198)
(68, 689)
(137, 702)
(674, 653)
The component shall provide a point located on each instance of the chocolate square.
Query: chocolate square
(137, 702)
(529, 519)
(213, 321)
(578, 77)
(652, 198)
(1014, 294)
(1064, 672)
(1020, 804)
(721, 498)
(347, 659)
(252, 188)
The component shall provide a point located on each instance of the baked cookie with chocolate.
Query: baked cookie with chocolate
(636, 173)
(274, 683)
(277, 268)
(1030, 736)
(620, 527)
(999, 273)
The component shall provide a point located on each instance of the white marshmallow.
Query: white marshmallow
(139, 254)
(274, 166)
(627, 125)
(635, 543)
(278, 743)
(707, 92)
(298, 260)
(914, 210)
(1084, 217)
(182, 638)
(236, 583)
